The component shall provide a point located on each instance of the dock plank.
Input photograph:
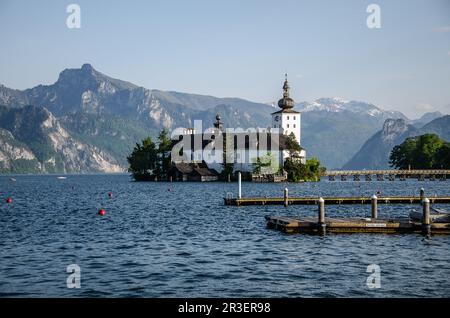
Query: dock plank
(351, 225)
(332, 200)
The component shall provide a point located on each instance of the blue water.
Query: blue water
(185, 243)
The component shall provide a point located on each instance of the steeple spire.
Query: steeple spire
(286, 102)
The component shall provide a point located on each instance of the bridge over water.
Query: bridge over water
(392, 175)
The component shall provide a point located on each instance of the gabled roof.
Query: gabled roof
(194, 169)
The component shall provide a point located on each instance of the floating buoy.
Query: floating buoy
(9, 200)
(101, 212)
(110, 194)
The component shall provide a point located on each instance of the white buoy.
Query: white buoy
(239, 185)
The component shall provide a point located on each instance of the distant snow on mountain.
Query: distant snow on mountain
(338, 104)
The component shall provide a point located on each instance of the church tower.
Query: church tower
(287, 119)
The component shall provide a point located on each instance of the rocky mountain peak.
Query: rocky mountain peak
(88, 78)
(393, 128)
(87, 67)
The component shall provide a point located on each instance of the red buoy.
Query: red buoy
(9, 200)
(101, 212)
(110, 194)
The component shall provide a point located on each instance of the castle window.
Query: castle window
(294, 125)
(294, 117)
(287, 117)
(287, 125)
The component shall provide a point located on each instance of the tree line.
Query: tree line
(427, 151)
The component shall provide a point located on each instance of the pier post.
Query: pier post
(422, 194)
(426, 227)
(321, 219)
(229, 178)
(239, 185)
(374, 205)
(286, 197)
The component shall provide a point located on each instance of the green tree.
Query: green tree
(292, 145)
(143, 160)
(443, 157)
(314, 169)
(422, 152)
(426, 150)
(296, 171)
(402, 155)
(266, 164)
(164, 161)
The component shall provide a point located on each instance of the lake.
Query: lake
(179, 240)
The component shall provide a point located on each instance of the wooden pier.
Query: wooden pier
(391, 175)
(322, 224)
(374, 224)
(310, 225)
(331, 200)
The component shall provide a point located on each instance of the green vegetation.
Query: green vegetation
(296, 170)
(267, 164)
(422, 152)
(150, 162)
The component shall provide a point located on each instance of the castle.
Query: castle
(203, 154)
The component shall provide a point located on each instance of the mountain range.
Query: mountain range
(89, 122)
(375, 152)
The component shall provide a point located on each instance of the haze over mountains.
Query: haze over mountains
(89, 122)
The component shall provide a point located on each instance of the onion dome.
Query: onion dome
(286, 102)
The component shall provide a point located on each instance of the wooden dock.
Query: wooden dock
(310, 225)
(332, 200)
(392, 175)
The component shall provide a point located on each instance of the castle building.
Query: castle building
(253, 145)
(287, 119)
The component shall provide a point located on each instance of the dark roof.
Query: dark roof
(290, 111)
(194, 169)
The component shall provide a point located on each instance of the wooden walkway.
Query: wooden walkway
(331, 200)
(387, 172)
(392, 175)
(310, 225)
